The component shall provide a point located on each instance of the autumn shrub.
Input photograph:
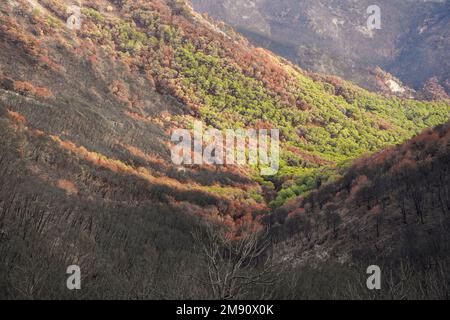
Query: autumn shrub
(27, 88)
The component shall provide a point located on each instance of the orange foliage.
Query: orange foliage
(139, 153)
(11, 30)
(376, 210)
(68, 186)
(261, 124)
(137, 116)
(404, 166)
(359, 183)
(120, 167)
(120, 90)
(384, 125)
(308, 157)
(36, 133)
(45, 60)
(296, 213)
(426, 138)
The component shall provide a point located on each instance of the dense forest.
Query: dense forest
(86, 176)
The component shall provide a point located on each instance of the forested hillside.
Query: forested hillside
(391, 208)
(86, 118)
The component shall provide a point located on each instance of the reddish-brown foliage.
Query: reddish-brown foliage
(16, 117)
(121, 91)
(26, 88)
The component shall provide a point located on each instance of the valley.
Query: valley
(88, 177)
(333, 37)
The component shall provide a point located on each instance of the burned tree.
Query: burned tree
(237, 266)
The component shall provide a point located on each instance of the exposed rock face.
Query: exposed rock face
(331, 36)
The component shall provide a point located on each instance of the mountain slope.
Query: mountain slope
(394, 204)
(86, 118)
(332, 37)
(214, 76)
